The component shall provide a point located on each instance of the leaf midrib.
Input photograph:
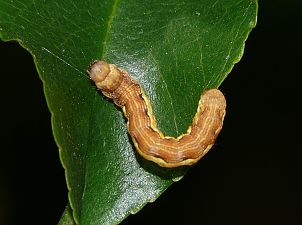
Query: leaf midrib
(91, 116)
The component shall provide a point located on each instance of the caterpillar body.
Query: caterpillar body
(151, 143)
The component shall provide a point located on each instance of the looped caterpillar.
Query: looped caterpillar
(150, 143)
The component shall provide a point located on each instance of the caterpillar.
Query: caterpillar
(149, 141)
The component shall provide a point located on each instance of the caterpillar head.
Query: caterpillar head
(107, 77)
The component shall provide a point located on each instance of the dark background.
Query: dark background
(252, 176)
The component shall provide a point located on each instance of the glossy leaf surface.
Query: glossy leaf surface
(175, 49)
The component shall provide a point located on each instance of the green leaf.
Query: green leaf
(175, 49)
(67, 218)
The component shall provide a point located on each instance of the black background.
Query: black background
(252, 176)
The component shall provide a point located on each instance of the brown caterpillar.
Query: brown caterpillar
(170, 152)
